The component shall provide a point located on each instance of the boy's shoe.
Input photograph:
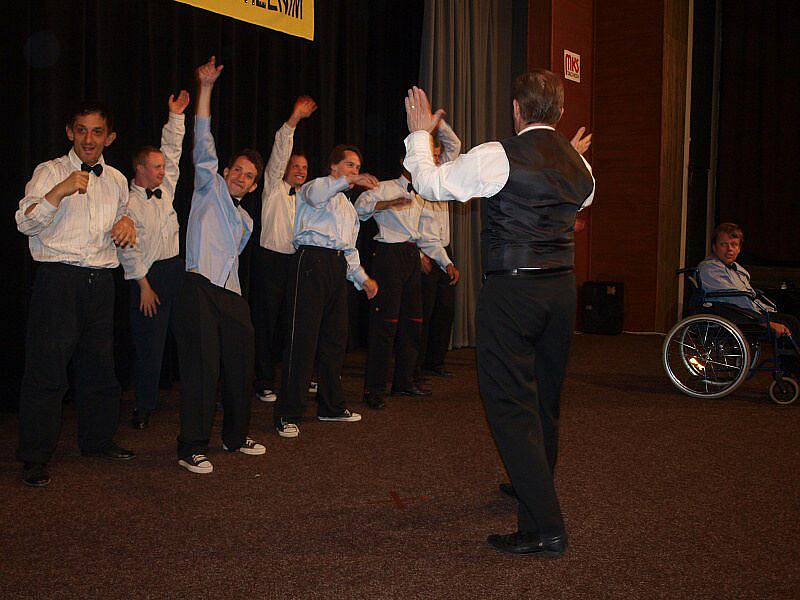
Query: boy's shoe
(197, 463)
(345, 416)
(287, 430)
(267, 396)
(250, 447)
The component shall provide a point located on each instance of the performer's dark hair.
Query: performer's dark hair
(337, 154)
(141, 154)
(732, 230)
(254, 156)
(540, 95)
(88, 107)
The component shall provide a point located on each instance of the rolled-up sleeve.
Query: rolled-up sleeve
(42, 214)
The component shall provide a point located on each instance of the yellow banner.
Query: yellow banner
(295, 17)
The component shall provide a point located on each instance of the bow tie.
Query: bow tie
(97, 169)
(156, 192)
(292, 191)
(236, 201)
(409, 188)
(732, 267)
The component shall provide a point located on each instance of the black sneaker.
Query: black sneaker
(197, 463)
(344, 417)
(35, 474)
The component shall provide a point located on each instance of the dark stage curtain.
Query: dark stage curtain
(134, 53)
(759, 121)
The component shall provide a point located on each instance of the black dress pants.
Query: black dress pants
(215, 341)
(316, 304)
(438, 310)
(525, 327)
(269, 277)
(395, 318)
(71, 318)
(150, 333)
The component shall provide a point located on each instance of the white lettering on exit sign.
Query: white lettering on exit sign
(572, 66)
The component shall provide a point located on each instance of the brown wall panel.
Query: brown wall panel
(628, 46)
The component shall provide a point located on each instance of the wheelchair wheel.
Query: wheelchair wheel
(706, 356)
(784, 391)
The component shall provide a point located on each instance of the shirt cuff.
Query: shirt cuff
(202, 124)
(44, 207)
(178, 118)
(359, 276)
(414, 141)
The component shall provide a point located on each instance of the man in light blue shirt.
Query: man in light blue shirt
(325, 231)
(213, 326)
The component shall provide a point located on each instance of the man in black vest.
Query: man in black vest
(533, 184)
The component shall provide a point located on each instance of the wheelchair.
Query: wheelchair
(718, 346)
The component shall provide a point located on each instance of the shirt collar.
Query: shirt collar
(532, 127)
(76, 162)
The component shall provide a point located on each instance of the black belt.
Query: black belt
(322, 249)
(527, 272)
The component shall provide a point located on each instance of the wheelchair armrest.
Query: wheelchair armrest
(729, 294)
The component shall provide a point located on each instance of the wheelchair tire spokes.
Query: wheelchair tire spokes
(706, 356)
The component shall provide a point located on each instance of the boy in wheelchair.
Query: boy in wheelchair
(720, 273)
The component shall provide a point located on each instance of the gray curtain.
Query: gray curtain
(465, 68)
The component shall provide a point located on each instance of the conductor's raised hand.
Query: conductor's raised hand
(581, 142)
(179, 104)
(364, 180)
(418, 112)
(370, 287)
(208, 73)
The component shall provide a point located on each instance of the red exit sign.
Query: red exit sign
(572, 66)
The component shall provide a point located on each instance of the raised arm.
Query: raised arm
(480, 173)
(451, 145)
(204, 155)
(304, 107)
(172, 140)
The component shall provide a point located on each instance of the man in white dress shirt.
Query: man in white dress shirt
(153, 265)
(438, 287)
(407, 229)
(532, 185)
(285, 172)
(74, 212)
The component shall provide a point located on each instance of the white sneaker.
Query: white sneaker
(267, 396)
(313, 387)
(288, 430)
(345, 416)
(250, 447)
(197, 463)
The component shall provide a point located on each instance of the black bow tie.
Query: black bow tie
(292, 191)
(236, 201)
(156, 192)
(97, 169)
(410, 188)
(732, 266)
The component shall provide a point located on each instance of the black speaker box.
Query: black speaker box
(602, 307)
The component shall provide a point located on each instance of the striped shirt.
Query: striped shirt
(156, 221)
(78, 232)
(277, 206)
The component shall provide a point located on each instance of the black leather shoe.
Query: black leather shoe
(414, 390)
(111, 452)
(438, 372)
(35, 474)
(140, 419)
(548, 546)
(508, 490)
(374, 401)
